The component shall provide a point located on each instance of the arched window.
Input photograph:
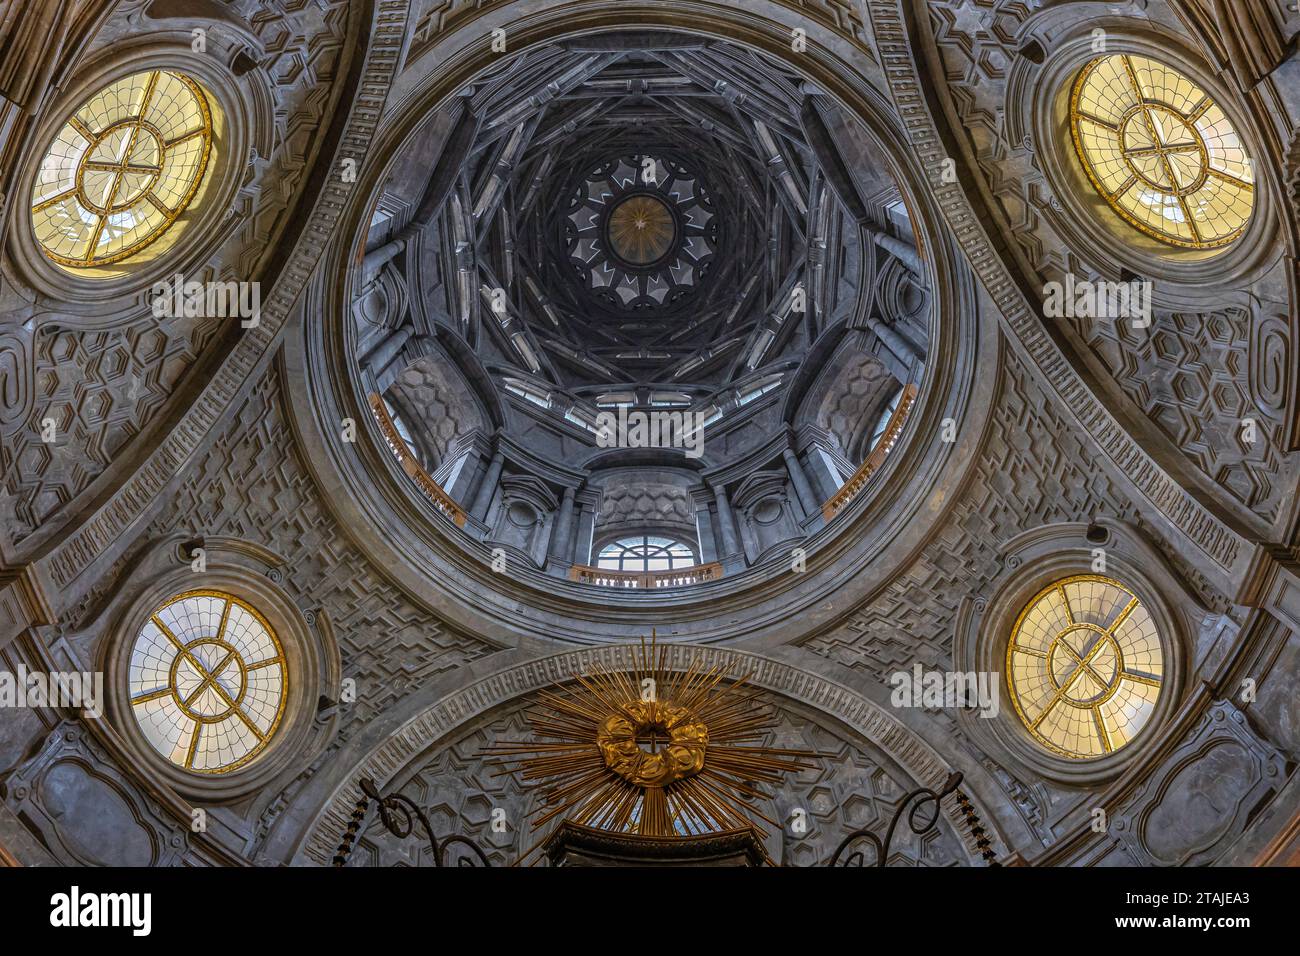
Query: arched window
(207, 681)
(1085, 665)
(1161, 152)
(122, 169)
(644, 553)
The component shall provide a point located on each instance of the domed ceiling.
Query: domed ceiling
(647, 224)
(375, 516)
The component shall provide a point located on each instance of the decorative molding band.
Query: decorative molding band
(255, 346)
(386, 762)
(1027, 332)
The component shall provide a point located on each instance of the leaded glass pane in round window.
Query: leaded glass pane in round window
(1085, 665)
(207, 681)
(122, 169)
(1161, 152)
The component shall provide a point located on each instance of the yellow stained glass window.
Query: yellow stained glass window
(207, 681)
(122, 169)
(1085, 666)
(1161, 152)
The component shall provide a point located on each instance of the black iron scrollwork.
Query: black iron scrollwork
(922, 807)
(399, 813)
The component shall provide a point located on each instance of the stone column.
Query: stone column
(458, 486)
(902, 251)
(824, 475)
(379, 357)
(802, 486)
(730, 545)
(562, 540)
(901, 348)
(487, 487)
(585, 525)
(376, 257)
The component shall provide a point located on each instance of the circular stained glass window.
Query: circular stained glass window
(1161, 152)
(1085, 666)
(124, 166)
(207, 681)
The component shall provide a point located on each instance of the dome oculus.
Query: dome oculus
(1085, 666)
(641, 232)
(207, 681)
(1161, 152)
(122, 169)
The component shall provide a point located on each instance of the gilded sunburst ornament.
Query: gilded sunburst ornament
(651, 751)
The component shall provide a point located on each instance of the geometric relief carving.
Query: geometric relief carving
(872, 727)
(101, 388)
(1272, 365)
(851, 399)
(434, 17)
(1033, 470)
(85, 811)
(976, 67)
(438, 400)
(459, 791)
(848, 789)
(845, 16)
(1197, 377)
(98, 389)
(16, 379)
(1203, 795)
(74, 553)
(642, 505)
(1226, 352)
(251, 484)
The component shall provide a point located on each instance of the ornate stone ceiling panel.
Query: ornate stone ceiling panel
(1161, 369)
(102, 379)
(627, 219)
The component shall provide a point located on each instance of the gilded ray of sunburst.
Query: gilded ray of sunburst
(651, 751)
(641, 230)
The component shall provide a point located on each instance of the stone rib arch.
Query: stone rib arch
(438, 723)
